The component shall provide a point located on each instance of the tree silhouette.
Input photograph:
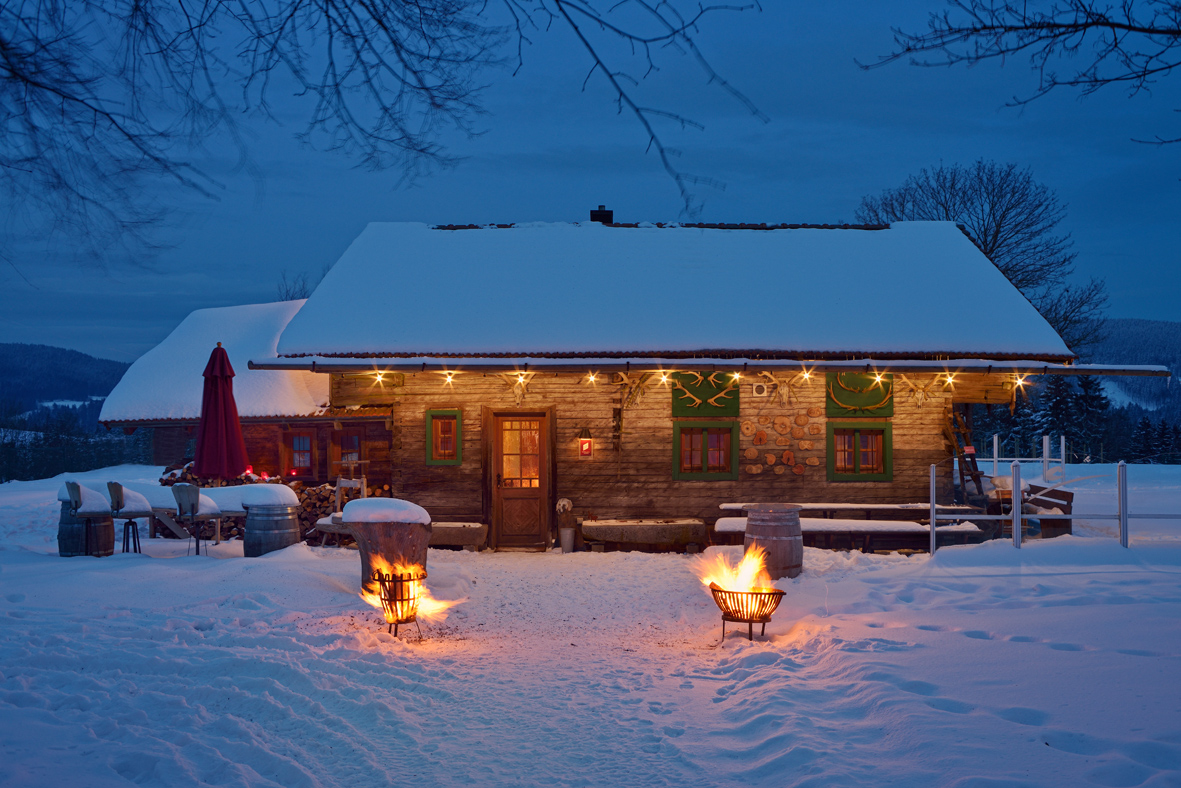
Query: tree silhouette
(101, 100)
(1012, 218)
(1128, 44)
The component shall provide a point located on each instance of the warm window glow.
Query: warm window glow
(443, 438)
(858, 451)
(871, 451)
(842, 446)
(705, 450)
(520, 453)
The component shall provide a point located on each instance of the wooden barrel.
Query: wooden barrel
(775, 527)
(397, 543)
(71, 534)
(269, 528)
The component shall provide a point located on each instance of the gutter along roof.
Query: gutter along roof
(532, 364)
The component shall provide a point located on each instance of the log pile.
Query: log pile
(315, 501)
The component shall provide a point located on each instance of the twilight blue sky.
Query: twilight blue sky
(551, 151)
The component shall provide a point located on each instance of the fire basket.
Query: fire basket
(746, 607)
(399, 597)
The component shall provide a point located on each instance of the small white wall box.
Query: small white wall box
(760, 390)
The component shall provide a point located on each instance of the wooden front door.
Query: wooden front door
(520, 482)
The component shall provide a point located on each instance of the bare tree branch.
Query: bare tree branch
(101, 101)
(1012, 219)
(1132, 43)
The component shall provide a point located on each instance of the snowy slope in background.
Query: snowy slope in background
(1134, 341)
(984, 666)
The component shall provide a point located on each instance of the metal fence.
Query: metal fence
(1046, 460)
(1122, 515)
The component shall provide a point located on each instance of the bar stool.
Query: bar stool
(130, 527)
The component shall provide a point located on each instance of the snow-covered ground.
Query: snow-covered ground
(1055, 665)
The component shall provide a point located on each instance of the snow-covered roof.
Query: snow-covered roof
(915, 289)
(166, 382)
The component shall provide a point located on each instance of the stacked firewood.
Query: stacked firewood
(315, 501)
(187, 476)
(320, 501)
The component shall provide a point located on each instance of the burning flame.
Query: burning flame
(750, 574)
(429, 608)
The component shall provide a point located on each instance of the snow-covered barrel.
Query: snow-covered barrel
(389, 532)
(74, 537)
(775, 527)
(272, 518)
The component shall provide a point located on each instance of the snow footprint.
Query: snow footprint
(1024, 716)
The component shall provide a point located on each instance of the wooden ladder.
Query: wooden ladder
(956, 429)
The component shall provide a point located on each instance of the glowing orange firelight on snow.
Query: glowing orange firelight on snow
(749, 574)
(419, 601)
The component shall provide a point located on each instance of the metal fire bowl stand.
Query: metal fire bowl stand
(746, 607)
(398, 600)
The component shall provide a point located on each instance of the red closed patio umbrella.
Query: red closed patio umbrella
(221, 452)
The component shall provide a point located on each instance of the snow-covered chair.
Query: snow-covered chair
(128, 505)
(326, 525)
(188, 510)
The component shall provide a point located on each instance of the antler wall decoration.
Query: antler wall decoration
(919, 393)
(686, 394)
(632, 387)
(785, 387)
(887, 395)
(519, 383)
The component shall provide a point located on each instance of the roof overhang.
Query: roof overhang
(532, 364)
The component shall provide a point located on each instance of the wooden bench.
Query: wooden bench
(470, 536)
(678, 534)
(866, 535)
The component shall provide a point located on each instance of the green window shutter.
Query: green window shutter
(692, 393)
(430, 436)
(887, 431)
(851, 394)
(728, 475)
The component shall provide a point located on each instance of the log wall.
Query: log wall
(635, 479)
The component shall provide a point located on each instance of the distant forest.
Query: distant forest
(39, 439)
(1134, 419)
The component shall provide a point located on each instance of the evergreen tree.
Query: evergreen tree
(1092, 410)
(1058, 408)
(1142, 447)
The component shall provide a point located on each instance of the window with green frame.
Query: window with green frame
(444, 437)
(705, 450)
(860, 451)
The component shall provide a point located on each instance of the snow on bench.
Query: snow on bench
(823, 524)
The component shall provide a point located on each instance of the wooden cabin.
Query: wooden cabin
(641, 371)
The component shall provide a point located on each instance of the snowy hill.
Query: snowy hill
(1134, 341)
(42, 374)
